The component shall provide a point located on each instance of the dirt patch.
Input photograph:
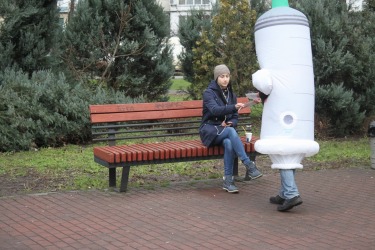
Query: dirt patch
(31, 182)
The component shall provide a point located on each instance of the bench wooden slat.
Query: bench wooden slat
(131, 156)
(163, 152)
(138, 112)
(177, 151)
(146, 152)
(139, 107)
(170, 151)
(120, 152)
(181, 150)
(198, 147)
(116, 153)
(149, 115)
(104, 154)
(152, 152)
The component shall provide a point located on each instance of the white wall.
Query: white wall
(357, 4)
(175, 12)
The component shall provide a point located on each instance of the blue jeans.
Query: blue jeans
(232, 147)
(288, 188)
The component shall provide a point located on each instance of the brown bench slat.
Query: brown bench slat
(120, 152)
(104, 153)
(131, 153)
(153, 153)
(149, 111)
(163, 151)
(158, 106)
(146, 152)
(198, 147)
(140, 107)
(149, 115)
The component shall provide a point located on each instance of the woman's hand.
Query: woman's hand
(257, 100)
(239, 105)
(226, 124)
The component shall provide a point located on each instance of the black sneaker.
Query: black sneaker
(277, 200)
(289, 204)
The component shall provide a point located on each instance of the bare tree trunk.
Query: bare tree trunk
(71, 9)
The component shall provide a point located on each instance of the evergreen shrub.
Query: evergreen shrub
(122, 44)
(46, 110)
(338, 108)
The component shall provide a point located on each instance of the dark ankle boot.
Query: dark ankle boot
(289, 204)
(228, 184)
(252, 171)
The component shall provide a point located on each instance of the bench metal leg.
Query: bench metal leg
(252, 156)
(235, 171)
(235, 167)
(112, 177)
(124, 178)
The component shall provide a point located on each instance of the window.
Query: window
(61, 21)
(181, 19)
(202, 2)
(193, 2)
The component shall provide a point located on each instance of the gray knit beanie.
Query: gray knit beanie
(220, 70)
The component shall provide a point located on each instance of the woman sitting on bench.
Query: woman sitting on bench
(219, 120)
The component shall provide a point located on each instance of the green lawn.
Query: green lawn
(179, 84)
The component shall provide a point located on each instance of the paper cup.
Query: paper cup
(248, 136)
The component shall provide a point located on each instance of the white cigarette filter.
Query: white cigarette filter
(283, 47)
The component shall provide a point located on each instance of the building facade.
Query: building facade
(177, 11)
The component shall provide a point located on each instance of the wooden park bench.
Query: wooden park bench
(144, 133)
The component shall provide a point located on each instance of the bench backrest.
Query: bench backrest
(148, 120)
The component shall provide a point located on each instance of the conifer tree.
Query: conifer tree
(121, 45)
(230, 41)
(29, 34)
(342, 41)
(369, 5)
(189, 32)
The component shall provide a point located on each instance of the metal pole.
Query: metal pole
(371, 134)
(372, 146)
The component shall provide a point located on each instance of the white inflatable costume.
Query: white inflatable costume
(283, 47)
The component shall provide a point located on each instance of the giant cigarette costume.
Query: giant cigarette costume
(283, 47)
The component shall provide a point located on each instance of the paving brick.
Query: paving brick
(337, 213)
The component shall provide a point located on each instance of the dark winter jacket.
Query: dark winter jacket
(216, 109)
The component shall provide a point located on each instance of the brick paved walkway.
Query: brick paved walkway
(338, 213)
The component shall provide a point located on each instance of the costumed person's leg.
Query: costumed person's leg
(288, 194)
(228, 179)
(252, 170)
